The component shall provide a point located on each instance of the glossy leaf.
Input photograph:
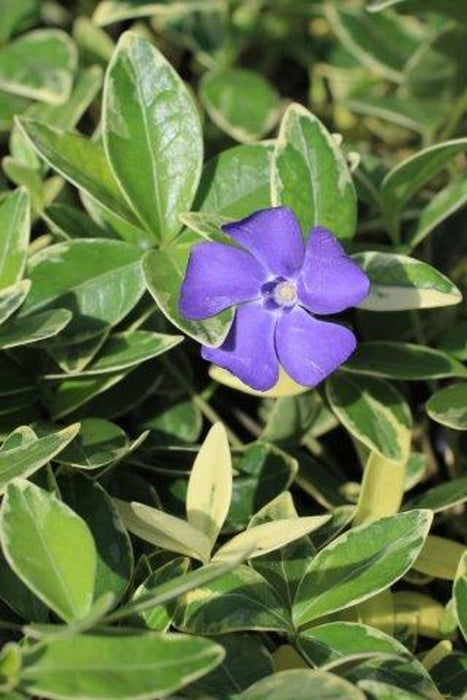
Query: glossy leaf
(12, 297)
(122, 351)
(240, 102)
(14, 225)
(99, 281)
(50, 548)
(34, 328)
(131, 666)
(374, 412)
(449, 406)
(29, 455)
(152, 135)
(302, 684)
(360, 563)
(236, 181)
(98, 443)
(403, 361)
(239, 600)
(405, 179)
(114, 565)
(442, 497)
(82, 162)
(311, 176)
(399, 282)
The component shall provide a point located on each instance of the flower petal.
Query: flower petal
(330, 281)
(248, 351)
(273, 236)
(219, 276)
(308, 349)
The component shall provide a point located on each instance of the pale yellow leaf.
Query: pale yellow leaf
(270, 536)
(164, 530)
(439, 557)
(210, 485)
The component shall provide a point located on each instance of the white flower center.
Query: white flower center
(285, 293)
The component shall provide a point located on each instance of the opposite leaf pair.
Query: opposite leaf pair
(208, 500)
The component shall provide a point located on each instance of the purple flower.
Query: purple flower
(279, 285)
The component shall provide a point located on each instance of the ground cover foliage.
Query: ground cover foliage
(165, 531)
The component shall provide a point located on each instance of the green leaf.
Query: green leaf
(14, 225)
(130, 666)
(71, 394)
(39, 65)
(15, 15)
(376, 690)
(449, 406)
(399, 282)
(28, 456)
(82, 162)
(174, 588)
(159, 617)
(114, 566)
(50, 548)
(238, 600)
(34, 328)
(422, 116)
(374, 412)
(123, 351)
(236, 182)
(164, 530)
(67, 222)
(99, 281)
(152, 135)
(403, 361)
(302, 684)
(65, 116)
(450, 675)
(442, 497)
(240, 102)
(360, 563)
(454, 341)
(247, 660)
(164, 271)
(406, 178)
(111, 11)
(379, 42)
(310, 175)
(460, 594)
(330, 642)
(263, 472)
(99, 442)
(444, 203)
(18, 597)
(210, 485)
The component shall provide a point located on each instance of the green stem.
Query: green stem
(207, 410)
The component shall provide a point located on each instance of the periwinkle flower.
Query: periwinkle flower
(279, 285)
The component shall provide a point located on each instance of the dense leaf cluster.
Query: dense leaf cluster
(166, 531)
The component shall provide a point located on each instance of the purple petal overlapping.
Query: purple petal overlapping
(278, 284)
